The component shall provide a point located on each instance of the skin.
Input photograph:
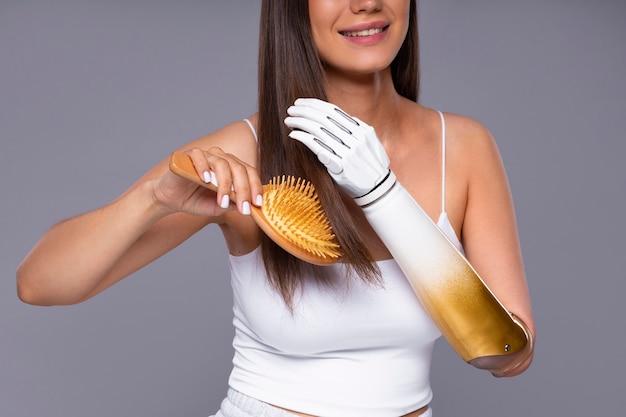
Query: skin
(160, 210)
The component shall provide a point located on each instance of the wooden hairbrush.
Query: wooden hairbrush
(291, 214)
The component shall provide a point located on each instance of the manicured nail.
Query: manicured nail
(224, 201)
(246, 208)
(213, 178)
(206, 176)
(259, 199)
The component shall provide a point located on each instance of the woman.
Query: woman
(364, 350)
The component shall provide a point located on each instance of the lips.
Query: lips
(378, 24)
(364, 33)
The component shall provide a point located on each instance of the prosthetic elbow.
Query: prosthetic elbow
(469, 316)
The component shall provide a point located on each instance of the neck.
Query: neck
(370, 97)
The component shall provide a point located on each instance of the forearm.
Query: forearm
(468, 314)
(73, 255)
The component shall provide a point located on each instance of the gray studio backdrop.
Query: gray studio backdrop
(92, 93)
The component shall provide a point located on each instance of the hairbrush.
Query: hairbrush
(291, 214)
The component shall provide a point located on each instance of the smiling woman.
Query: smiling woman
(337, 105)
(357, 347)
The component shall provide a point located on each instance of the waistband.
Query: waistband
(238, 404)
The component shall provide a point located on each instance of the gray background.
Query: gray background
(92, 93)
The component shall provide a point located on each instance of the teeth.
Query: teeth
(367, 32)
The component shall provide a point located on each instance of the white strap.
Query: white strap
(443, 162)
(251, 128)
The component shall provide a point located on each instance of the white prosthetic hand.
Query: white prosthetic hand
(472, 320)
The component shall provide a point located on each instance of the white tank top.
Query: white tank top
(347, 351)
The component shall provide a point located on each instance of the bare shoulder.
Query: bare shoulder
(470, 144)
(235, 138)
(470, 157)
(466, 131)
(466, 136)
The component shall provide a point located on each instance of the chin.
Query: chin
(360, 64)
(361, 60)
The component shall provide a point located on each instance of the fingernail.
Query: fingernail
(206, 176)
(245, 208)
(213, 178)
(259, 199)
(224, 201)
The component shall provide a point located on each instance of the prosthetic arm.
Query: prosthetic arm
(472, 320)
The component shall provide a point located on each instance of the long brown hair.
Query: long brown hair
(290, 67)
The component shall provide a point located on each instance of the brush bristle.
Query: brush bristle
(294, 209)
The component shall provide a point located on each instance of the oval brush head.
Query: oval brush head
(291, 214)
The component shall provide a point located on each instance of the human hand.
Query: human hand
(224, 170)
(348, 147)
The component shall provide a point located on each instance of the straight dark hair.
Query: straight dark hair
(290, 67)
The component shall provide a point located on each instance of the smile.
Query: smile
(366, 36)
(364, 33)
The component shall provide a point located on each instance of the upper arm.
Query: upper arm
(170, 231)
(490, 235)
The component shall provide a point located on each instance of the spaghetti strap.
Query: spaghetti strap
(252, 129)
(443, 162)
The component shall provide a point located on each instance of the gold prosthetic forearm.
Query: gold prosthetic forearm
(468, 314)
